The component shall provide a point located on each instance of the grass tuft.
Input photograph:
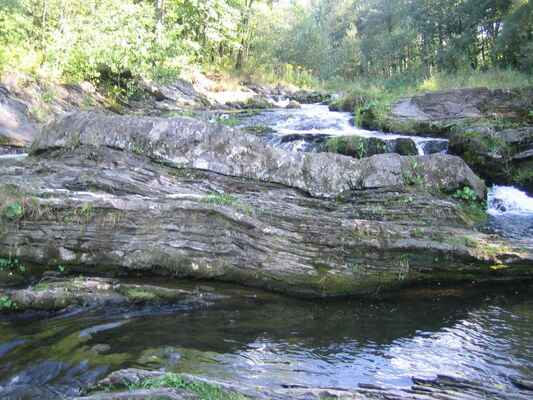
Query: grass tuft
(204, 390)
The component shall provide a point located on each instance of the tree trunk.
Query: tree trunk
(159, 23)
(243, 50)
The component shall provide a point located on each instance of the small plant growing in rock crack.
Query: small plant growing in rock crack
(7, 304)
(405, 267)
(466, 194)
(12, 265)
(413, 177)
(220, 199)
(224, 199)
(228, 121)
(61, 268)
(14, 211)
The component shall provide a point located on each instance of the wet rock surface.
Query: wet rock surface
(56, 293)
(185, 198)
(442, 387)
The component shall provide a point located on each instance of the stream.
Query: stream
(481, 333)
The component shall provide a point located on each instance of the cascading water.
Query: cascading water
(306, 129)
(510, 212)
(302, 129)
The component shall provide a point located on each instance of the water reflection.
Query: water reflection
(271, 340)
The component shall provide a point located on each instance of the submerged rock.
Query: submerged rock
(184, 198)
(62, 293)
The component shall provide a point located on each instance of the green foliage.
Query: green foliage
(412, 175)
(472, 206)
(14, 211)
(204, 390)
(403, 40)
(353, 146)
(220, 199)
(6, 304)
(98, 39)
(466, 194)
(12, 265)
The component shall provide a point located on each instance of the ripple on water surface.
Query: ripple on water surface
(483, 335)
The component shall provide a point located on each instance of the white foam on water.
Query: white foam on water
(324, 121)
(509, 200)
(13, 156)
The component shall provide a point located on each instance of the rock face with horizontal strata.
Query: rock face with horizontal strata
(185, 198)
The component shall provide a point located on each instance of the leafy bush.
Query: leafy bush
(14, 211)
(466, 194)
(7, 304)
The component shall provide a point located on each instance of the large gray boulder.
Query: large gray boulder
(465, 103)
(16, 127)
(186, 198)
(192, 143)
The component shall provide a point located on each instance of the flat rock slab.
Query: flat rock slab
(465, 103)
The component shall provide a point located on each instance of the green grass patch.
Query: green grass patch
(354, 146)
(205, 391)
(220, 199)
(372, 99)
(228, 121)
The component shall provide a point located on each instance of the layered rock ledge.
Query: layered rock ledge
(492, 130)
(182, 197)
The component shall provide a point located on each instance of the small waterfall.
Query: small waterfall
(313, 120)
(510, 213)
(509, 200)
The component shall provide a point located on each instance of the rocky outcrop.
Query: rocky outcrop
(186, 198)
(500, 157)
(186, 386)
(17, 129)
(465, 103)
(490, 129)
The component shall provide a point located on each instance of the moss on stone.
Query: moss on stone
(139, 295)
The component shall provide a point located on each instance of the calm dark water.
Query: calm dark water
(481, 334)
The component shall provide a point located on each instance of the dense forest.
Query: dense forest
(299, 40)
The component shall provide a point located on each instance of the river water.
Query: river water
(479, 333)
(482, 334)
